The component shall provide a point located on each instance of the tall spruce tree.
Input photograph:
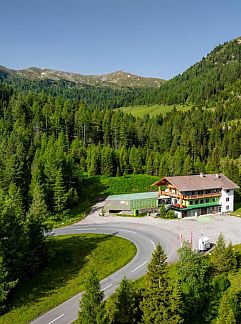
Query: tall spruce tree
(223, 257)
(193, 274)
(91, 305)
(37, 223)
(60, 195)
(157, 304)
(225, 312)
(5, 285)
(124, 306)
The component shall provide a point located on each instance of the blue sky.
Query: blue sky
(158, 38)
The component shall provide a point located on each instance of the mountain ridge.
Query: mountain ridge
(114, 79)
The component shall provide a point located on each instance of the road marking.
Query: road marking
(85, 229)
(106, 287)
(56, 319)
(154, 245)
(139, 266)
(128, 231)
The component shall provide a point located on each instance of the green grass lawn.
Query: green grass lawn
(237, 210)
(72, 257)
(99, 187)
(128, 184)
(153, 110)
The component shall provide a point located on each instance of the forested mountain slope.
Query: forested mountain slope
(51, 137)
(215, 77)
(107, 91)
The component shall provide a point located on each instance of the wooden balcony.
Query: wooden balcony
(169, 194)
(200, 196)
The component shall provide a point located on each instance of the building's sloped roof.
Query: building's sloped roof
(200, 182)
(134, 196)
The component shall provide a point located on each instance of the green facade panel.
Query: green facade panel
(143, 203)
(131, 202)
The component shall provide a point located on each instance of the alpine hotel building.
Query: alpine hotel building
(196, 195)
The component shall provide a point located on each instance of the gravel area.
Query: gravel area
(210, 225)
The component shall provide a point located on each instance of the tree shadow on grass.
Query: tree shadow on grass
(68, 255)
(93, 191)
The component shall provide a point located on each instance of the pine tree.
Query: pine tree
(124, 307)
(213, 164)
(135, 160)
(123, 134)
(149, 164)
(199, 166)
(157, 296)
(225, 312)
(188, 166)
(12, 238)
(36, 226)
(193, 274)
(5, 285)
(107, 162)
(92, 160)
(91, 304)
(223, 258)
(123, 161)
(60, 195)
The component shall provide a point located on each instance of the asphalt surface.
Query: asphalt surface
(143, 236)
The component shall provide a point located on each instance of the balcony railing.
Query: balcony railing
(169, 194)
(200, 196)
(207, 195)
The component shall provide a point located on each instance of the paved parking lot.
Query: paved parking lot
(210, 225)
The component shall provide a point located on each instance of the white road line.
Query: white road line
(139, 266)
(154, 245)
(56, 319)
(106, 287)
(85, 229)
(128, 231)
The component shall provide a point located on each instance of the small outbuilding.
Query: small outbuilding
(133, 203)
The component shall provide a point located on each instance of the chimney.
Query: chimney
(217, 175)
(201, 175)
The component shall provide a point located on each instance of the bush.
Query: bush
(170, 214)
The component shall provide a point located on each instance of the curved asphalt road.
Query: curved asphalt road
(143, 236)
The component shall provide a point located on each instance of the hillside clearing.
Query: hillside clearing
(72, 257)
(153, 110)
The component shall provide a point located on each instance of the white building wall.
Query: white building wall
(227, 200)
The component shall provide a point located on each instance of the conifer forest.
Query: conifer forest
(56, 135)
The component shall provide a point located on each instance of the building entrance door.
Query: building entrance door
(204, 211)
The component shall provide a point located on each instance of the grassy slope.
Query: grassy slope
(64, 275)
(99, 187)
(237, 210)
(140, 111)
(128, 184)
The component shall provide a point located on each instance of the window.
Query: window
(196, 202)
(207, 200)
(228, 190)
(202, 201)
(227, 199)
(213, 199)
(227, 207)
(191, 202)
